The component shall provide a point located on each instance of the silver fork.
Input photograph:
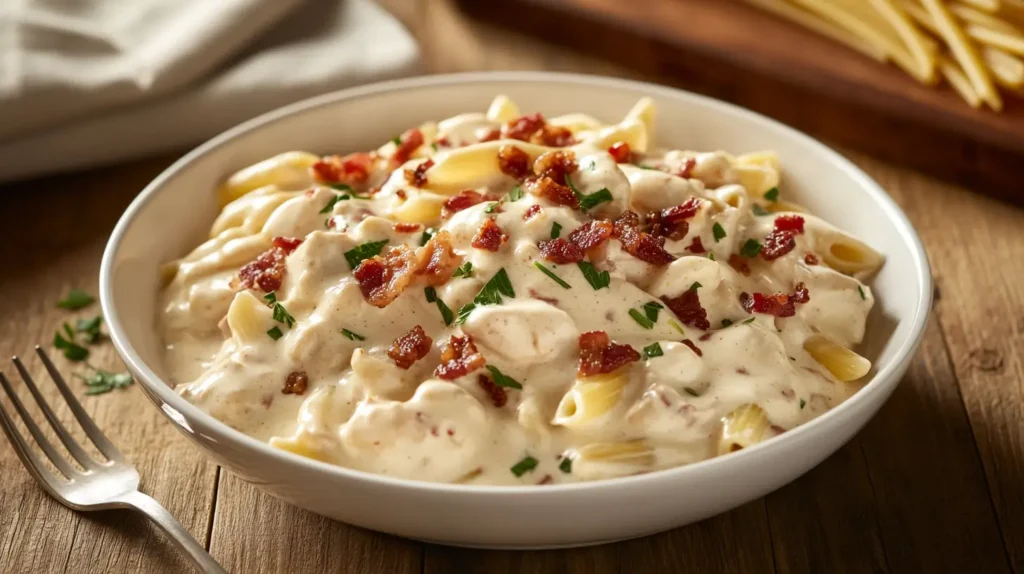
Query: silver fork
(102, 485)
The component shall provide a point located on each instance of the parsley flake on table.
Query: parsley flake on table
(90, 328)
(360, 253)
(503, 380)
(102, 381)
(597, 280)
(551, 274)
(72, 350)
(524, 466)
(76, 299)
(718, 231)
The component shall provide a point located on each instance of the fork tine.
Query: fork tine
(65, 437)
(28, 457)
(57, 460)
(95, 434)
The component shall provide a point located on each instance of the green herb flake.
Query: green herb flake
(490, 294)
(342, 187)
(490, 208)
(275, 333)
(691, 392)
(718, 231)
(861, 291)
(676, 326)
(396, 140)
(696, 285)
(516, 194)
(556, 230)
(447, 315)
(503, 380)
(759, 211)
(589, 201)
(803, 404)
(772, 194)
(597, 279)
(334, 201)
(72, 351)
(281, 315)
(642, 320)
(750, 249)
(524, 466)
(428, 233)
(352, 336)
(360, 253)
(651, 310)
(433, 146)
(464, 270)
(270, 298)
(566, 465)
(90, 328)
(711, 256)
(431, 294)
(464, 312)
(76, 299)
(551, 274)
(653, 350)
(726, 323)
(749, 321)
(102, 381)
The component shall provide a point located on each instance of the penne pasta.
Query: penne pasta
(589, 399)
(502, 110)
(248, 319)
(843, 363)
(848, 255)
(745, 426)
(289, 170)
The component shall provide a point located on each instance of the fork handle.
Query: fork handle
(182, 539)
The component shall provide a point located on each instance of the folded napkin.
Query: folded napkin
(89, 82)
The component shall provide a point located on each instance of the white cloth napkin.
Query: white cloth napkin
(89, 82)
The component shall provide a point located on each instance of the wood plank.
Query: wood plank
(256, 533)
(735, 542)
(61, 225)
(734, 52)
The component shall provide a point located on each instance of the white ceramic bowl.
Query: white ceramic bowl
(173, 214)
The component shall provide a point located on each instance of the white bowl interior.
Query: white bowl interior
(174, 213)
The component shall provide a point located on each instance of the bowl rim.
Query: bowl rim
(154, 385)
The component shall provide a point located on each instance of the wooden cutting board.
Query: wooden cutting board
(735, 52)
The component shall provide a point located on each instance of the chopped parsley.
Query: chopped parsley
(490, 208)
(597, 279)
(861, 291)
(428, 233)
(691, 392)
(524, 466)
(642, 320)
(726, 323)
(72, 350)
(651, 310)
(90, 328)
(566, 465)
(396, 140)
(589, 201)
(749, 321)
(281, 315)
(711, 256)
(772, 194)
(718, 231)
(352, 336)
(759, 211)
(750, 249)
(75, 299)
(803, 403)
(464, 270)
(556, 230)
(446, 312)
(696, 285)
(334, 201)
(343, 187)
(490, 294)
(653, 350)
(676, 326)
(275, 333)
(503, 380)
(104, 381)
(360, 253)
(551, 274)
(433, 146)
(516, 194)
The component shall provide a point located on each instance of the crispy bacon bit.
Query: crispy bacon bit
(443, 142)
(775, 304)
(436, 261)
(296, 383)
(265, 272)
(531, 212)
(687, 170)
(402, 227)
(513, 161)
(522, 127)
(499, 396)
(353, 168)
(598, 354)
(490, 135)
(384, 277)
(671, 222)
(408, 143)
(465, 199)
(553, 136)
(459, 357)
(490, 236)
(692, 347)
(811, 259)
(639, 244)
(546, 480)
(410, 347)
(620, 152)
(560, 251)
(552, 191)
(739, 264)
(705, 337)
(687, 307)
(287, 244)
(696, 246)
(556, 164)
(793, 223)
(782, 239)
(549, 300)
(591, 234)
(418, 176)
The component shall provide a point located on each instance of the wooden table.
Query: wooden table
(935, 483)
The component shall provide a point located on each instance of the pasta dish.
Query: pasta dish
(500, 298)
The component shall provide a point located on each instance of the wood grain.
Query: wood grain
(933, 484)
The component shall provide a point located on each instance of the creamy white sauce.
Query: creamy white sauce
(362, 411)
